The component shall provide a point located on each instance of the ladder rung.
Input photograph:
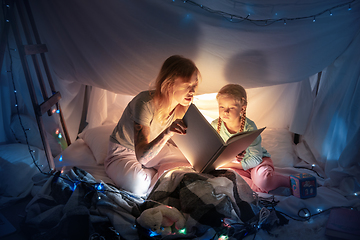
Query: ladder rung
(46, 105)
(35, 49)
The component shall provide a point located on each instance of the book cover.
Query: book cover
(203, 146)
(343, 223)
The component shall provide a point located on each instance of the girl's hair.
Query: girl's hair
(174, 67)
(238, 93)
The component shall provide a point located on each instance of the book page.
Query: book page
(204, 148)
(237, 144)
(201, 141)
(237, 136)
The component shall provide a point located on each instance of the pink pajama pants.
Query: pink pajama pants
(263, 177)
(122, 166)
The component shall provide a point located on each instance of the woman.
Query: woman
(148, 122)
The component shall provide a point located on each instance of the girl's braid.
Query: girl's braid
(219, 125)
(243, 119)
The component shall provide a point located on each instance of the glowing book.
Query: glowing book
(203, 146)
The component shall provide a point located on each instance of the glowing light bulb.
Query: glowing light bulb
(60, 136)
(153, 234)
(99, 186)
(223, 237)
(60, 158)
(58, 111)
(57, 131)
(74, 187)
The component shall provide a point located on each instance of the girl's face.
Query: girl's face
(184, 91)
(229, 109)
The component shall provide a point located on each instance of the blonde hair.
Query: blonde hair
(238, 93)
(174, 67)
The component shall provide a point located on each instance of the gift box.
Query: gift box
(303, 185)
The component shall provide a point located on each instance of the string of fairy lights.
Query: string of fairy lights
(228, 230)
(234, 18)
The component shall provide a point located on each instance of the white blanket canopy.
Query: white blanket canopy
(273, 48)
(120, 45)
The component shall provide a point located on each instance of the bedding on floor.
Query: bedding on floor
(57, 204)
(77, 206)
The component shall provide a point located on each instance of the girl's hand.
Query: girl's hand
(240, 156)
(178, 126)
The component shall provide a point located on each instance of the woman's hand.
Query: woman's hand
(146, 150)
(178, 126)
(240, 156)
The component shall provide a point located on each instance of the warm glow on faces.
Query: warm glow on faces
(229, 110)
(184, 91)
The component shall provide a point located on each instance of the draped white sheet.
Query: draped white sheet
(120, 45)
(117, 48)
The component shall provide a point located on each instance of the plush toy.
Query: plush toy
(159, 219)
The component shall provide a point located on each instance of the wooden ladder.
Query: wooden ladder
(29, 50)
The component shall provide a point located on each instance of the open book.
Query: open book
(203, 146)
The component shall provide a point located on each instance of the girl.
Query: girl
(255, 164)
(147, 123)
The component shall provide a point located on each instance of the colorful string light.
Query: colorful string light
(264, 22)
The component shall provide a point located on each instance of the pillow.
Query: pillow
(17, 169)
(33, 135)
(97, 139)
(279, 143)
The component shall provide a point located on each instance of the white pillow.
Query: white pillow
(97, 139)
(279, 143)
(33, 135)
(17, 169)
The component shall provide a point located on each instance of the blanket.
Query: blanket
(74, 205)
(212, 203)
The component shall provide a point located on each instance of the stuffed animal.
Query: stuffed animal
(159, 219)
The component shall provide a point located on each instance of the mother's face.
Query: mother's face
(183, 92)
